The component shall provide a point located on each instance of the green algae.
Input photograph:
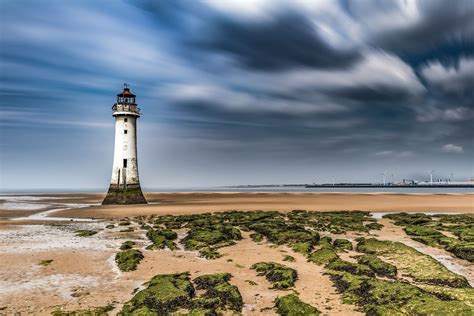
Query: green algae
(291, 305)
(161, 239)
(127, 245)
(128, 260)
(342, 244)
(164, 294)
(257, 237)
(209, 253)
(323, 256)
(96, 311)
(45, 263)
(281, 276)
(289, 258)
(429, 230)
(208, 239)
(217, 286)
(465, 295)
(374, 226)
(338, 264)
(381, 297)
(380, 267)
(250, 282)
(410, 262)
(86, 233)
(303, 247)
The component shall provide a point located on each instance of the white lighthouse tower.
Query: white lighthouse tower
(125, 184)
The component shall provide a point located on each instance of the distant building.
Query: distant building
(125, 184)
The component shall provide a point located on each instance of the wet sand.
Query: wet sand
(187, 203)
(83, 273)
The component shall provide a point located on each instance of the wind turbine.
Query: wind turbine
(431, 177)
(384, 174)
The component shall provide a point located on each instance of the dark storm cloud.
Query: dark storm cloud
(444, 32)
(368, 94)
(285, 41)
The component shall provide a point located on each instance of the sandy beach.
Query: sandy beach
(83, 274)
(186, 203)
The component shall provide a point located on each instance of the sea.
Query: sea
(255, 189)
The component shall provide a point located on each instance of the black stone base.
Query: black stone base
(131, 195)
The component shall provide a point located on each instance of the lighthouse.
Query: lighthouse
(125, 184)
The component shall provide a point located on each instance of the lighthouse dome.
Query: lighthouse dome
(126, 96)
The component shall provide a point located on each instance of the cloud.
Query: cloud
(451, 148)
(420, 31)
(286, 40)
(457, 79)
(455, 114)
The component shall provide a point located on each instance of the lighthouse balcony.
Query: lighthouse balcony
(126, 109)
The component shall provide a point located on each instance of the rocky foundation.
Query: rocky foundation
(131, 194)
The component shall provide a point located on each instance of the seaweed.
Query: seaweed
(86, 233)
(281, 276)
(45, 263)
(422, 268)
(323, 256)
(164, 294)
(256, 237)
(128, 260)
(381, 297)
(110, 226)
(291, 305)
(353, 268)
(374, 226)
(217, 286)
(380, 267)
(209, 238)
(342, 244)
(428, 230)
(288, 258)
(95, 311)
(162, 238)
(127, 245)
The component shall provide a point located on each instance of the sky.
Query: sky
(237, 92)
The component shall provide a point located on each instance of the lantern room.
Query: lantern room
(126, 97)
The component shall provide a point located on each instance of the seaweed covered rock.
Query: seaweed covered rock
(162, 238)
(323, 256)
(381, 297)
(342, 244)
(86, 233)
(353, 268)
(404, 219)
(303, 247)
(128, 260)
(164, 294)
(380, 267)
(337, 222)
(281, 276)
(211, 237)
(291, 305)
(218, 288)
(429, 230)
(95, 311)
(127, 245)
(374, 226)
(280, 232)
(463, 250)
(422, 268)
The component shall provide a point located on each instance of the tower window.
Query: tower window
(125, 163)
(125, 131)
(125, 120)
